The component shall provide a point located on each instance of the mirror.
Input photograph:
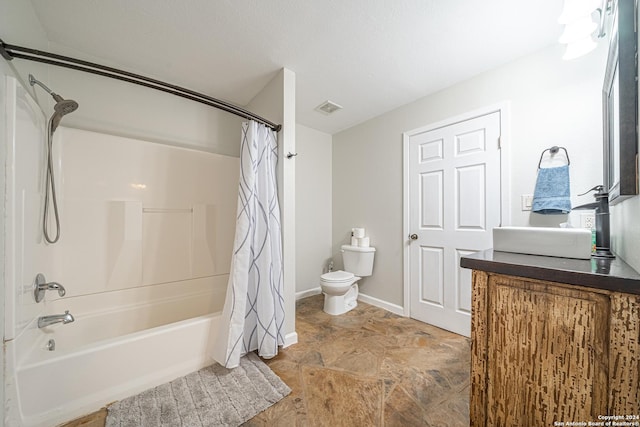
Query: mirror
(620, 94)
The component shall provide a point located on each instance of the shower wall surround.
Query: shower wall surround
(136, 213)
(142, 224)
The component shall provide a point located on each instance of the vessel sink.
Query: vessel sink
(556, 242)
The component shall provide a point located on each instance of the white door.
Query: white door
(453, 205)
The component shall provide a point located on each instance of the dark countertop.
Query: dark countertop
(613, 275)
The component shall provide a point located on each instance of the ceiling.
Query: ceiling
(370, 56)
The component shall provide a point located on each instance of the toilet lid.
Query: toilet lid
(337, 276)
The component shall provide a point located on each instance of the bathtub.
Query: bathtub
(106, 356)
(144, 254)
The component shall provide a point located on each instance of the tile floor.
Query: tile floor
(367, 367)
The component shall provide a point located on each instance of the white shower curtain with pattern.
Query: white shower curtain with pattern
(253, 314)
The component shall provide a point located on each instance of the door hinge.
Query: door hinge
(499, 142)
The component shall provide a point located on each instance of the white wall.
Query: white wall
(552, 102)
(20, 26)
(3, 159)
(313, 206)
(112, 106)
(125, 109)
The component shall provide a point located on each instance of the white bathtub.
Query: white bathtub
(144, 255)
(109, 356)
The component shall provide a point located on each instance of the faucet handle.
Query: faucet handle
(56, 286)
(598, 189)
(40, 286)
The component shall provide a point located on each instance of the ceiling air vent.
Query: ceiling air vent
(328, 107)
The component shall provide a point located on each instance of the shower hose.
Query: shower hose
(50, 189)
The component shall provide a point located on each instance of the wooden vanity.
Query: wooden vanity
(554, 340)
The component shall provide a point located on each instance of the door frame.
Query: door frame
(505, 178)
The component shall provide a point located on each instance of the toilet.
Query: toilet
(340, 288)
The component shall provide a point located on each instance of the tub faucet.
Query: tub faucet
(65, 318)
(40, 286)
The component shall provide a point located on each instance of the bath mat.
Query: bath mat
(212, 396)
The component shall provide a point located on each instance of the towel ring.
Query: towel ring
(554, 150)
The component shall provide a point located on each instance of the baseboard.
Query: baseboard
(308, 293)
(396, 309)
(290, 339)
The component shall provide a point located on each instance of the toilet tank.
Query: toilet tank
(358, 260)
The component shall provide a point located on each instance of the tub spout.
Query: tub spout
(65, 318)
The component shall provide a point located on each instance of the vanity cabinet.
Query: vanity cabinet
(545, 352)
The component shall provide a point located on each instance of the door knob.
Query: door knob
(413, 236)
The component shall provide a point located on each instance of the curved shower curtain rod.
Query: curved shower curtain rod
(9, 52)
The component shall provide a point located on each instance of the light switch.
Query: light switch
(527, 201)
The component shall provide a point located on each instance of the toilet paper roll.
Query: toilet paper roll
(363, 242)
(354, 241)
(358, 232)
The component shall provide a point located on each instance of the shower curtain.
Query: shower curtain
(253, 314)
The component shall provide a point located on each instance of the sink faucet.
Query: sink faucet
(65, 318)
(603, 236)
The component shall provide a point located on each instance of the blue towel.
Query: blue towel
(552, 195)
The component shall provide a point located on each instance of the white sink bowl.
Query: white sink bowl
(556, 242)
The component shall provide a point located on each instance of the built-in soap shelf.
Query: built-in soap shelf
(165, 210)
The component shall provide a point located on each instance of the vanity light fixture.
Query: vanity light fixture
(581, 31)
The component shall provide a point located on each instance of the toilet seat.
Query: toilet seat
(337, 277)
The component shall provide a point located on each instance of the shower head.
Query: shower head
(65, 106)
(62, 107)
